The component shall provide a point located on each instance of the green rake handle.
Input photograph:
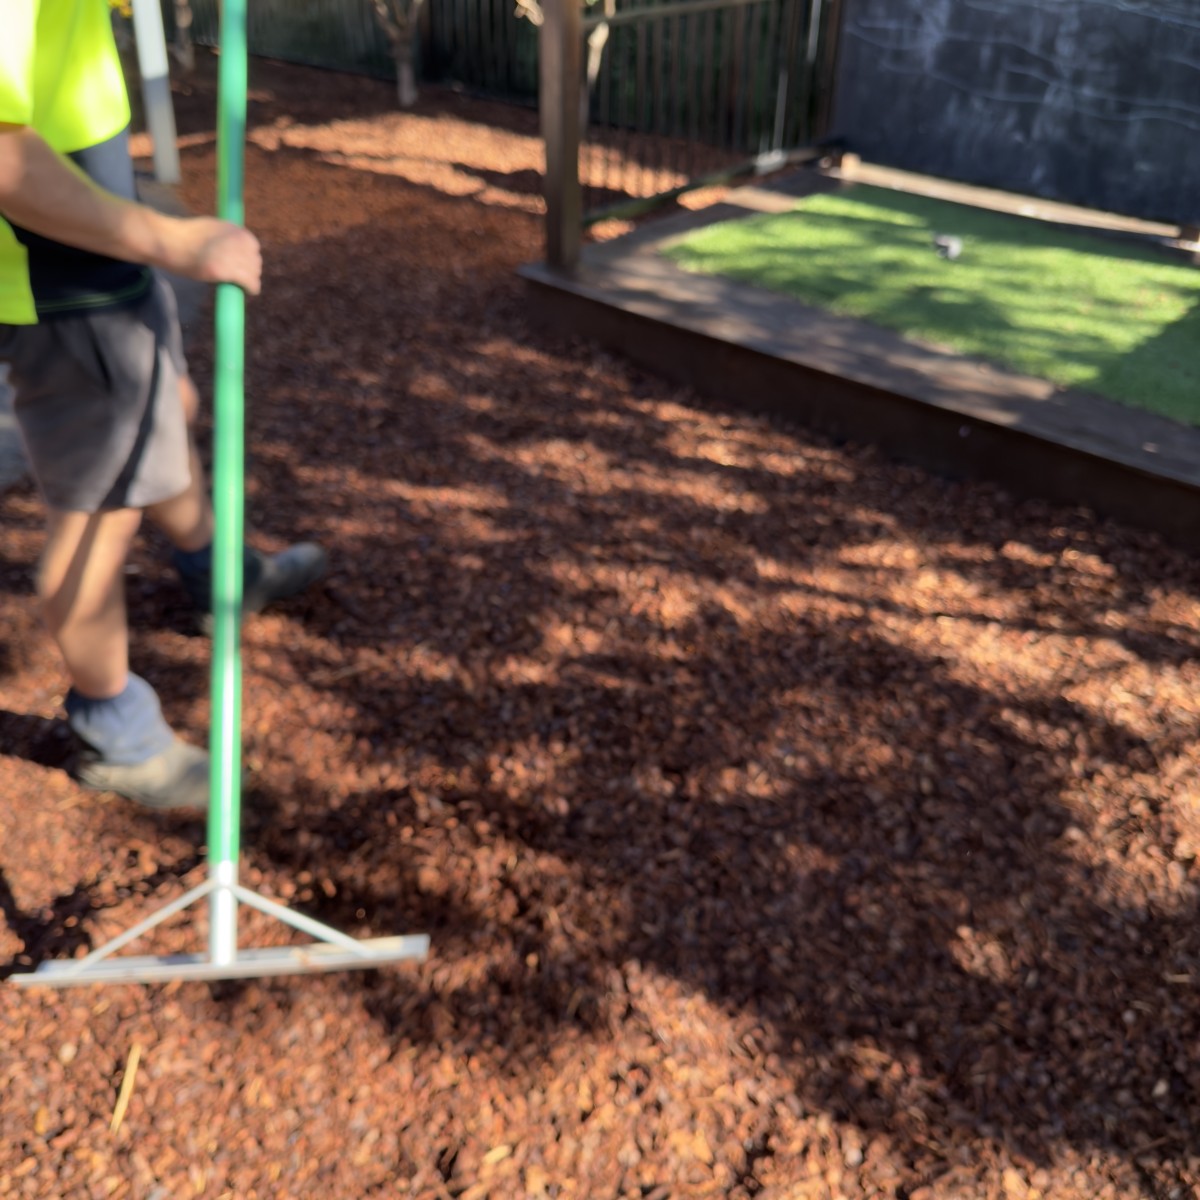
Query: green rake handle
(224, 813)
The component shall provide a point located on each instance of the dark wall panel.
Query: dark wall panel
(1096, 102)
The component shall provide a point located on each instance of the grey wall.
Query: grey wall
(1096, 102)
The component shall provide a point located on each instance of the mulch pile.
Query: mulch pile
(788, 823)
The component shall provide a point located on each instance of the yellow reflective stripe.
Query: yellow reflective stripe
(16, 296)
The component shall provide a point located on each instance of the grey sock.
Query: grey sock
(124, 729)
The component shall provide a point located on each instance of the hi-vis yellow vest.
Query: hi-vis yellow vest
(60, 75)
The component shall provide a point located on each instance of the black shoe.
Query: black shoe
(176, 778)
(266, 578)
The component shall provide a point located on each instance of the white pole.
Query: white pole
(156, 87)
(222, 914)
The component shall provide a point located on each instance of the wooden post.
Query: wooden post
(561, 80)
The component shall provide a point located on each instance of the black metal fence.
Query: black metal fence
(679, 91)
(640, 99)
(480, 43)
(643, 99)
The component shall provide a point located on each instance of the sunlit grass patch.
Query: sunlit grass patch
(1081, 310)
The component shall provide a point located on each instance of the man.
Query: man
(91, 337)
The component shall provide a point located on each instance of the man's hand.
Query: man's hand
(44, 192)
(213, 251)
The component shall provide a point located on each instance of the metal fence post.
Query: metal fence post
(156, 87)
(792, 80)
(561, 81)
(831, 43)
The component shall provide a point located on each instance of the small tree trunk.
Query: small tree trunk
(406, 79)
(185, 52)
(596, 41)
(400, 20)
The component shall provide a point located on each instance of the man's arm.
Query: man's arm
(44, 192)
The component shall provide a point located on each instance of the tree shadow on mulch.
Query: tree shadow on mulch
(37, 739)
(63, 928)
(58, 933)
(851, 918)
(795, 809)
(902, 888)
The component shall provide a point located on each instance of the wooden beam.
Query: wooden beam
(561, 82)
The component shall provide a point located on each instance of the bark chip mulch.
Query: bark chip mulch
(788, 823)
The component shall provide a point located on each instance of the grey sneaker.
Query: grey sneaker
(271, 577)
(176, 778)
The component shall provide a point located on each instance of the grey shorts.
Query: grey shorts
(96, 397)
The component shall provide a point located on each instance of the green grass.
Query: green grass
(1086, 312)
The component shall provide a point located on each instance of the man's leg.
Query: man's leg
(116, 715)
(104, 403)
(81, 587)
(187, 521)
